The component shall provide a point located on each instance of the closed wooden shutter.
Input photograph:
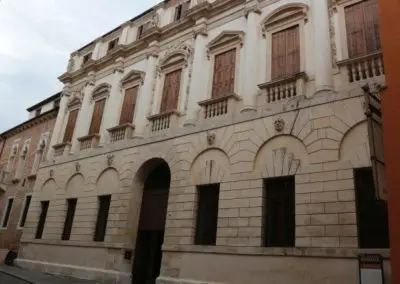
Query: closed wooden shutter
(224, 73)
(371, 18)
(97, 117)
(285, 53)
(172, 84)
(362, 25)
(69, 131)
(128, 106)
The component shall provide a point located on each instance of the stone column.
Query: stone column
(322, 42)
(84, 116)
(112, 108)
(198, 86)
(145, 95)
(251, 59)
(56, 135)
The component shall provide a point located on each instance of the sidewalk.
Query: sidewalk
(33, 277)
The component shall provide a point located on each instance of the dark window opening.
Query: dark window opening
(42, 219)
(57, 103)
(140, 31)
(69, 219)
(372, 214)
(207, 215)
(102, 217)
(112, 44)
(279, 212)
(8, 212)
(25, 212)
(38, 111)
(87, 57)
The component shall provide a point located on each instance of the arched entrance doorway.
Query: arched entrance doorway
(147, 261)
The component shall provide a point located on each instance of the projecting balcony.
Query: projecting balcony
(361, 68)
(89, 141)
(284, 88)
(62, 149)
(163, 121)
(121, 132)
(220, 106)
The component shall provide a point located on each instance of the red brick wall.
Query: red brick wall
(390, 25)
(11, 235)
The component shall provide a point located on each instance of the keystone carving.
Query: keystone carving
(110, 160)
(77, 167)
(211, 138)
(279, 125)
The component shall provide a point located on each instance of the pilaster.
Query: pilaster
(322, 51)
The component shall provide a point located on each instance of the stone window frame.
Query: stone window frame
(276, 22)
(225, 41)
(172, 61)
(22, 210)
(132, 79)
(342, 45)
(21, 162)
(13, 154)
(40, 149)
(75, 103)
(5, 211)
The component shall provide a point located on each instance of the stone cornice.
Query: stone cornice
(203, 10)
(30, 123)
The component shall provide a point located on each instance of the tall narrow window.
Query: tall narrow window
(102, 217)
(69, 219)
(181, 10)
(128, 106)
(69, 130)
(25, 211)
(112, 44)
(285, 53)
(42, 219)
(207, 215)
(97, 117)
(279, 212)
(87, 57)
(142, 29)
(372, 215)
(362, 25)
(224, 73)
(7, 212)
(170, 94)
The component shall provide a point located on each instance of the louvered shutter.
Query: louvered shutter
(97, 117)
(224, 73)
(371, 22)
(278, 55)
(355, 30)
(292, 51)
(128, 106)
(69, 130)
(171, 89)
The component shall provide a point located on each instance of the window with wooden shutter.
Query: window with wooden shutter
(97, 117)
(279, 212)
(170, 96)
(285, 53)
(224, 73)
(207, 215)
(362, 26)
(128, 106)
(372, 214)
(69, 130)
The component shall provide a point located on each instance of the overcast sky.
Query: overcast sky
(36, 39)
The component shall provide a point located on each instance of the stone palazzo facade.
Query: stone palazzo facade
(215, 142)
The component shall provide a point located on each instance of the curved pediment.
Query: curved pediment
(101, 89)
(133, 77)
(284, 13)
(226, 37)
(176, 56)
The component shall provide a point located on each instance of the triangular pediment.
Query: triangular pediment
(133, 76)
(226, 37)
(286, 12)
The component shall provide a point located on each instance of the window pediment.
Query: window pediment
(283, 14)
(76, 98)
(226, 38)
(133, 77)
(177, 57)
(101, 91)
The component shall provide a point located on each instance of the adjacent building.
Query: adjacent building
(215, 142)
(391, 100)
(22, 149)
